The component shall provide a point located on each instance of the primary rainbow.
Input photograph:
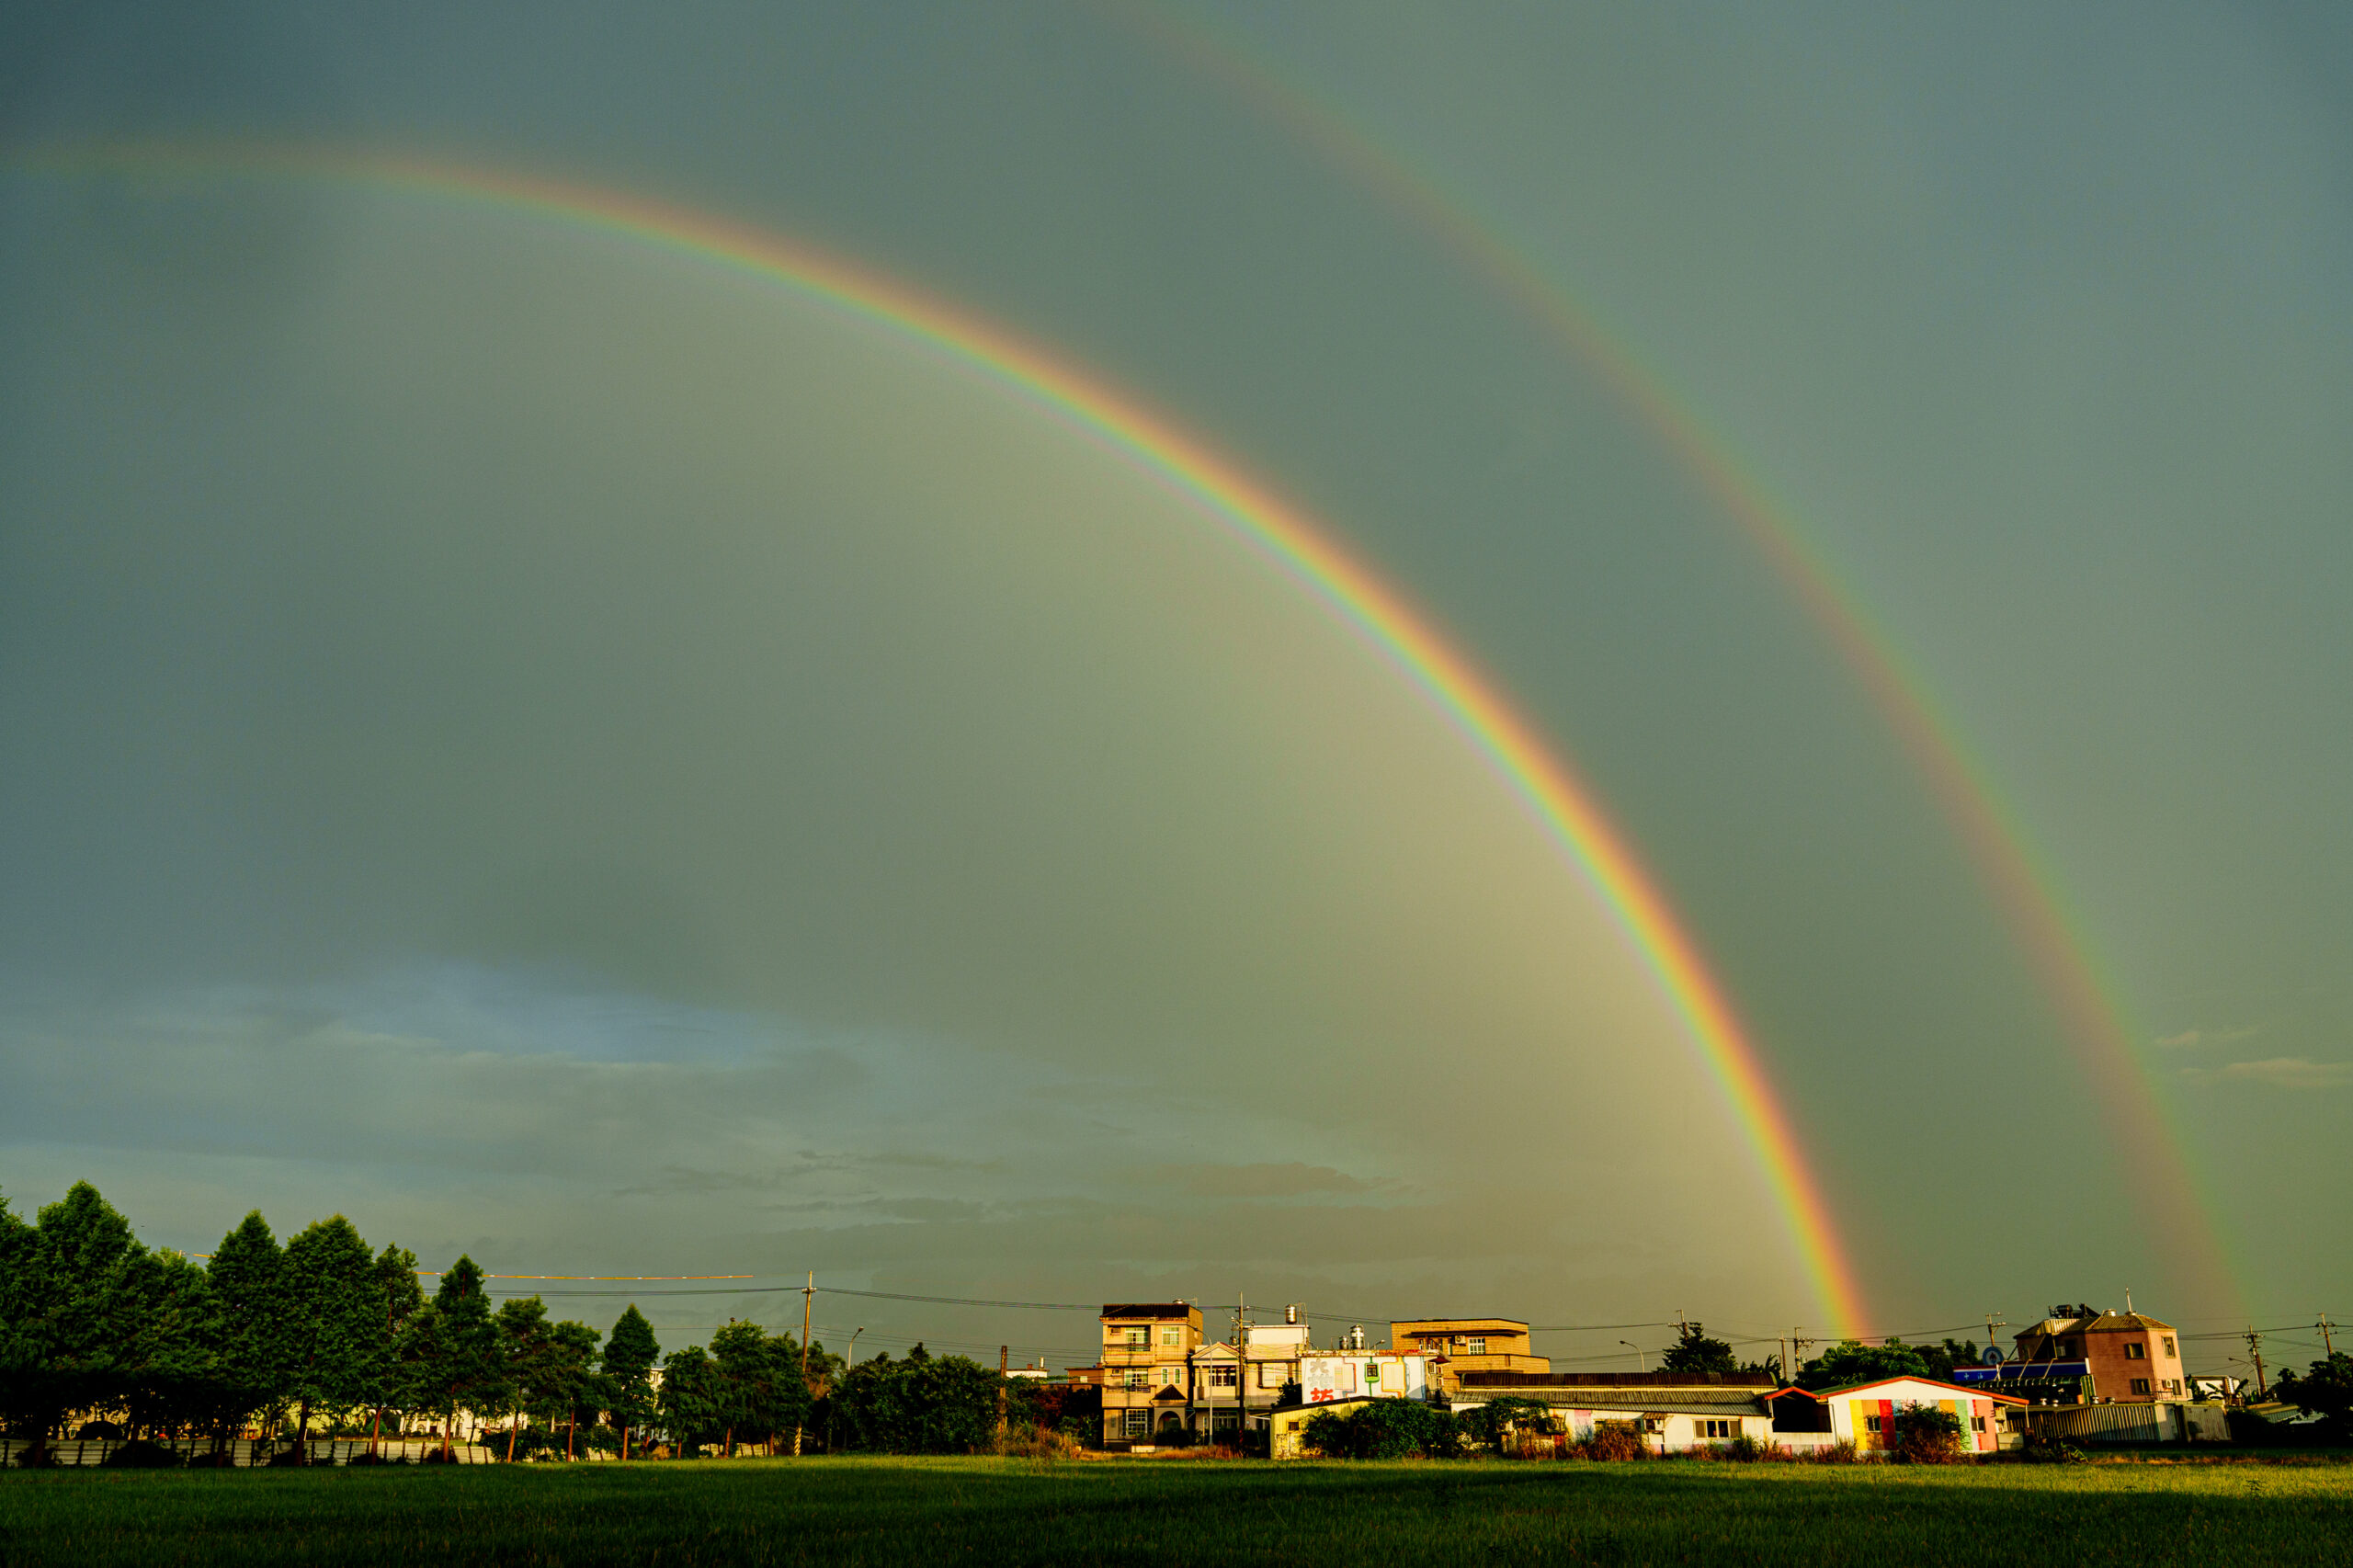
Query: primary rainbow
(1308, 551)
(2023, 887)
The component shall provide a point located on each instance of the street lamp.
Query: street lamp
(1638, 1353)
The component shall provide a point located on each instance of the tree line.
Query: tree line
(322, 1334)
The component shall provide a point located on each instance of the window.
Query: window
(1139, 1377)
(1475, 1346)
(1713, 1430)
(2171, 1354)
(1132, 1338)
(2140, 1385)
(1870, 1424)
(1223, 1377)
(1273, 1374)
(1652, 1424)
(1977, 1423)
(1139, 1423)
(1172, 1337)
(2136, 1352)
(2173, 1385)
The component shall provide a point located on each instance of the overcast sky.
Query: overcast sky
(553, 748)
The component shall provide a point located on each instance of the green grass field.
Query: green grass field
(2133, 1515)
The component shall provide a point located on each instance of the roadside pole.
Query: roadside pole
(808, 1297)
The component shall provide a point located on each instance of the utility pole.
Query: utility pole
(1004, 1356)
(2325, 1325)
(2255, 1349)
(808, 1300)
(1241, 1369)
(1993, 1323)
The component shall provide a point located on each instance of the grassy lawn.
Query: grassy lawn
(902, 1511)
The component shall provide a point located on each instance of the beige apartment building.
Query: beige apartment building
(1468, 1345)
(1147, 1368)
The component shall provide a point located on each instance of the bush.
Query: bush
(1840, 1452)
(2043, 1447)
(1045, 1444)
(1384, 1429)
(1745, 1449)
(1495, 1423)
(142, 1455)
(376, 1459)
(1614, 1442)
(1925, 1435)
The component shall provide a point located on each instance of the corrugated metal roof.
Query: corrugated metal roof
(1153, 1310)
(1618, 1379)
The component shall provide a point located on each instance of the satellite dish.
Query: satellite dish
(1993, 1354)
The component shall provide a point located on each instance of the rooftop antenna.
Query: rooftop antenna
(2128, 1301)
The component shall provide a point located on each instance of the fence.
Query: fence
(244, 1451)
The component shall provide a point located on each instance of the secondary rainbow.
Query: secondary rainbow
(2025, 891)
(1252, 512)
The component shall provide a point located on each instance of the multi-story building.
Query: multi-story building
(1265, 1366)
(1468, 1345)
(2131, 1355)
(1147, 1365)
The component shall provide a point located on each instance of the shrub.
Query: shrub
(1614, 1441)
(1494, 1424)
(142, 1455)
(1840, 1452)
(2043, 1447)
(1034, 1442)
(1745, 1449)
(1384, 1429)
(1925, 1435)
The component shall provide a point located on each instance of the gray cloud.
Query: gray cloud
(2277, 1072)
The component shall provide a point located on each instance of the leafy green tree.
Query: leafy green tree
(23, 1300)
(574, 1388)
(333, 1337)
(64, 1304)
(530, 1371)
(170, 1349)
(452, 1359)
(2326, 1390)
(745, 1391)
(921, 1406)
(1695, 1352)
(691, 1405)
(1851, 1361)
(630, 1356)
(246, 1278)
(396, 1272)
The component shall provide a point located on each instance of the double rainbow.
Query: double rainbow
(1304, 548)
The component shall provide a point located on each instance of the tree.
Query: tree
(921, 1406)
(249, 1319)
(1695, 1352)
(1851, 1361)
(690, 1403)
(630, 1357)
(574, 1384)
(2325, 1391)
(64, 1304)
(529, 1368)
(170, 1343)
(396, 1272)
(451, 1359)
(333, 1297)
